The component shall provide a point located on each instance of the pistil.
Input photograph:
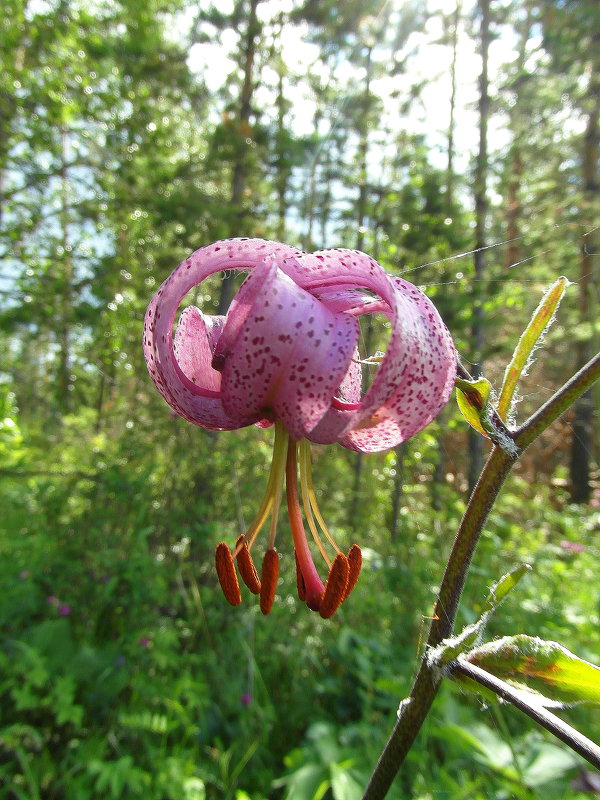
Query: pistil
(313, 586)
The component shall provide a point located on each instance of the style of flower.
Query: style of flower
(286, 354)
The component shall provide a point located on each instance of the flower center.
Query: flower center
(289, 458)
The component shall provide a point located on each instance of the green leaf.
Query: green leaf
(542, 318)
(473, 399)
(491, 750)
(449, 649)
(544, 667)
(502, 587)
(343, 785)
(304, 783)
(550, 763)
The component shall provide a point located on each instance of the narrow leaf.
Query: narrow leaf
(541, 319)
(502, 587)
(448, 649)
(544, 667)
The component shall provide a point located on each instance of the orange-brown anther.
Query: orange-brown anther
(226, 574)
(300, 581)
(355, 563)
(335, 588)
(246, 566)
(270, 573)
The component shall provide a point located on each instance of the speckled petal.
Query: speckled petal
(417, 391)
(290, 377)
(262, 277)
(352, 301)
(333, 424)
(195, 339)
(416, 376)
(290, 355)
(197, 403)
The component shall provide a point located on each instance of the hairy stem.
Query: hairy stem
(562, 730)
(414, 709)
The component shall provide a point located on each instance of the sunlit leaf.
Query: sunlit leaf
(488, 746)
(502, 587)
(550, 762)
(473, 400)
(544, 667)
(540, 321)
(343, 785)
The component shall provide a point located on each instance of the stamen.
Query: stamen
(274, 486)
(246, 566)
(226, 574)
(270, 573)
(304, 457)
(354, 563)
(300, 581)
(278, 466)
(312, 505)
(335, 588)
(312, 582)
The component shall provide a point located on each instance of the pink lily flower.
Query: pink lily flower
(286, 354)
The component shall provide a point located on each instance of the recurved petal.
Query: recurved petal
(335, 421)
(197, 402)
(414, 379)
(195, 338)
(352, 301)
(290, 355)
(262, 277)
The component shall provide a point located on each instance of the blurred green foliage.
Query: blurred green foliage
(125, 674)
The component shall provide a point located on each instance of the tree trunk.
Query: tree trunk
(282, 168)
(440, 464)
(475, 444)
(311, 183)
(361, 218)
(282, 154)
(513, 205)
(518, 124)
(583, 439)
(238, 178)
(451, 122)
(363, 152)
(65, 282)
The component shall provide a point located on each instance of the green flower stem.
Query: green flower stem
(562, 730)
(414, 709)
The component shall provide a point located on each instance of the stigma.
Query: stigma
(291, 459)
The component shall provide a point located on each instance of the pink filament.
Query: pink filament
(312, 582)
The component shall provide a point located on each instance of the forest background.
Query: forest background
(132, 133)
